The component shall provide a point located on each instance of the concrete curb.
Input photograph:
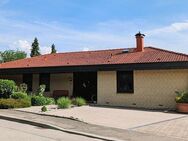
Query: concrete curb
(56, 116)
(51, 126)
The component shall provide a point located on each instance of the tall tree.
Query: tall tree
(53, 50)
(11, 55)
(35, 51)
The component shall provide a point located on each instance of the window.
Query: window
(28, 79)
(44, 78)
(125, 82)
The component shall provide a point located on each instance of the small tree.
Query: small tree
(11, 55)
(53, 50)
(35, 48)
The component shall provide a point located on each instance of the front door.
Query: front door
(85, 85)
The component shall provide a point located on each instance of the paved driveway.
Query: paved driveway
(110, 117)
(177, 128)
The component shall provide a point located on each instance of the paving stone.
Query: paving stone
(128, 135)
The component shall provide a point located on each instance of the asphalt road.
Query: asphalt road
(13, 131)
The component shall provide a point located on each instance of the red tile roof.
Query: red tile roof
(113, 56)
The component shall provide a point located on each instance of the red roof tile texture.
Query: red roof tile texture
(113, 56)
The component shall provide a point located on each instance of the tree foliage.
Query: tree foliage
(11, 55)
(35, 51)
(7, 87)
(53, 50)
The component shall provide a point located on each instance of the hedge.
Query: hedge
(41, 100)
(14, 103)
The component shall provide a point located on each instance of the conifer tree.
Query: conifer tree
(35, 51)
(53, 50)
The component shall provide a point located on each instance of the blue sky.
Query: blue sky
(75, 25)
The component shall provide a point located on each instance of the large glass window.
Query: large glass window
(125, 82)
(28, 79)
(44, 78)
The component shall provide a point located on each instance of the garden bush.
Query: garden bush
(50, 101)
(79, 101)
(41, 100)
(7, 87)
(64, 102)
(181, 97)
(38, 100)
(44, 109)
(19, 95)
(14, 103)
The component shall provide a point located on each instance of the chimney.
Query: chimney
(139, 42)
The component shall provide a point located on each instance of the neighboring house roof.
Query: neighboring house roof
(100, 57)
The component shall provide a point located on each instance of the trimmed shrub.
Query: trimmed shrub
(50, 101)
(7, 87)
(38, 100)
(19, 95)
(44, 109)
(79, 101)
(41, 100)
(14, 103)
(64, 102)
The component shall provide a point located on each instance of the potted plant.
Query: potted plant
(182, 101)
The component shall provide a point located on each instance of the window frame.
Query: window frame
(118, 77)
(47, 78)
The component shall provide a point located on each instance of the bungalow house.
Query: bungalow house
(144, 77)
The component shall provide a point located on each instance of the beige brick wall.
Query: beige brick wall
(153, 89)
(63, 81)
(60, 81)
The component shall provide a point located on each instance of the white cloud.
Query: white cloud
(174, 27)
(22, 45)
(45, 49)
(25, 45)
(172, 37)
(85, 49)
(113, 34)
